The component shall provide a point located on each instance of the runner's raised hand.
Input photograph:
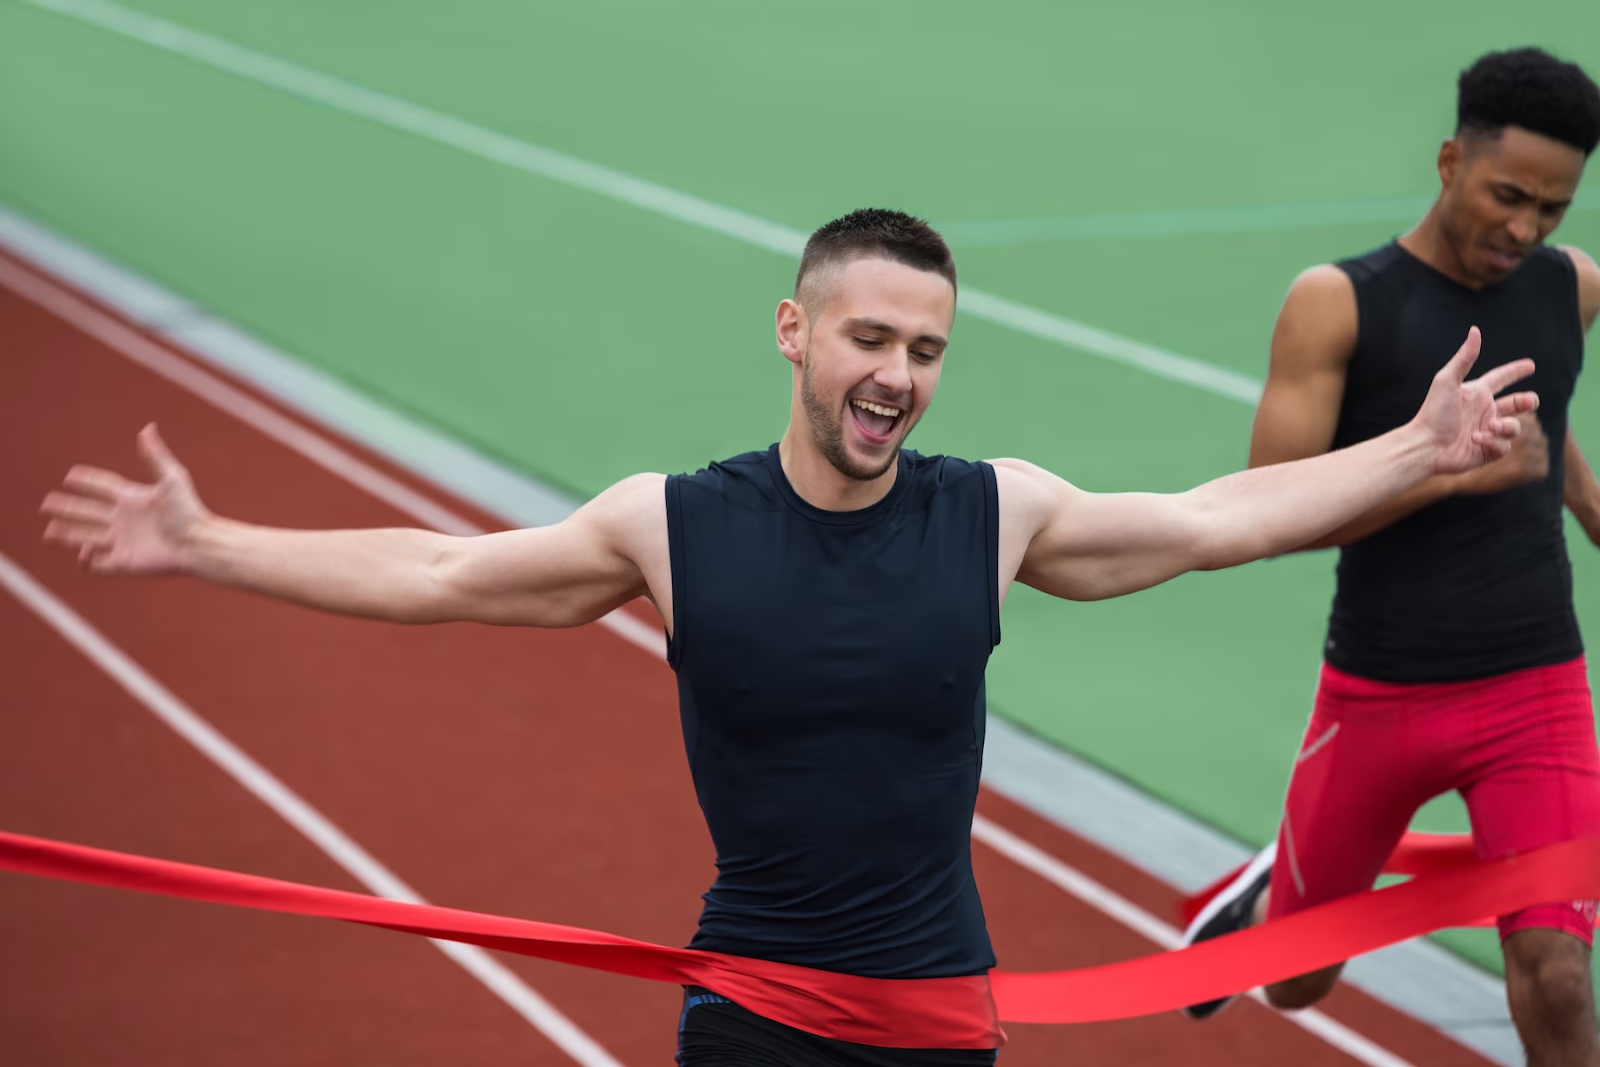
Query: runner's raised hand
(1468, 424)
(118, 526)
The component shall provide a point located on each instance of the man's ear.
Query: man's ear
(794, 331)
(1452, 154)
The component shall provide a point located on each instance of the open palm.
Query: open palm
(118, 526)
(1470, 425)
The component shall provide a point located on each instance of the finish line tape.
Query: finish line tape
(1417, 854)
(1450, 888)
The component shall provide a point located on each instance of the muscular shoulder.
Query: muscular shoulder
(1588, 283)
(1029, 496)
(628, 495)
(1318, 322)
(1312, 345)
(628, 522)
(630, 515)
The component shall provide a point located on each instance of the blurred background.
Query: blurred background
(1160, 171)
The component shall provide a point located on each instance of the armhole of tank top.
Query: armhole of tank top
(674, 491)
(991, 539)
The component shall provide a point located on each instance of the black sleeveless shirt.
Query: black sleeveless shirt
(830, 681)
(1471, 586)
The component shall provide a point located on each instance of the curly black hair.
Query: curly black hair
(1531, 88)
(876, 231)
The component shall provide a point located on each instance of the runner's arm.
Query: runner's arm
(1086, 546)
(1581, 491)
(560, 575)
(1588, 285)
(1312, 343)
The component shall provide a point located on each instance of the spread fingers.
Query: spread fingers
(70, 506)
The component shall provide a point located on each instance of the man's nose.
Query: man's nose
(1524, 227)
(894, 374)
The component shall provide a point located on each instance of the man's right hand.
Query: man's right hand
(121, 527)
(1528, 461)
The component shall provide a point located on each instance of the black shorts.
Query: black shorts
(713, 1031)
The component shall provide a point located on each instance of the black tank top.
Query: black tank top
(830, 681)
(1471, 586)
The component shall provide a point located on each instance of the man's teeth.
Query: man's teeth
(893, 413)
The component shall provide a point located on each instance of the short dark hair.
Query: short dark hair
(880, 233)
(1531, 88)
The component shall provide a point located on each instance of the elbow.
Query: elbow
(1212, 545)
(420, 615)
(421, 611)
(1220, 561)
(436, 593)
(1218, 546)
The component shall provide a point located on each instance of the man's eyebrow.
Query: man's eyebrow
(878, 326)
(875, 325)
(1507, 183)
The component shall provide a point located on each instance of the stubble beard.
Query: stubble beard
(827, 432)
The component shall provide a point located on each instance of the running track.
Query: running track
(533, 773)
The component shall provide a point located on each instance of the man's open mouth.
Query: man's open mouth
(877, 421)
(1502, 259)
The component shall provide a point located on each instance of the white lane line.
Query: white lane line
(399, 114)
(1254, 218)
(287, 432)
(241, 406)
(1033, 858)
(1026, 855)
(1209, 221)
(334, 842)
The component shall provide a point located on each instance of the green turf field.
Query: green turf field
(1179, 162)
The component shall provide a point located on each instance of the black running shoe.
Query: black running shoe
(1230, 910)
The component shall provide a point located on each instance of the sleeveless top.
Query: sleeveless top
(1470, 586)
(830, 674)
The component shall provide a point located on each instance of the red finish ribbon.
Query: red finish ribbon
(1451, 889)
(905, 1013)
(1417, 854)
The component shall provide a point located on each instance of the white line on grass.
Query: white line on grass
(96, 323)
(514, 152)
(1254, 218)
(1206, 221)
(312, 824)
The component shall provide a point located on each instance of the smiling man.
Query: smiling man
(1453, 659)
(831, 603)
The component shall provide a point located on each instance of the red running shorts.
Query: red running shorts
(1520, 748)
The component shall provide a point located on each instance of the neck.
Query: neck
(1427, 241)
(819, 482)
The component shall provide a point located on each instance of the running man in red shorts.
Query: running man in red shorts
(1420, 695)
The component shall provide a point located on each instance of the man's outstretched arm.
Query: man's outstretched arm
(561, 575)
(1087, 546)
(1312, 343)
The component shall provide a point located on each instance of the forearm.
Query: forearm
(1271, 510)
(1435, 489)
(1580, 490)
(379, 574)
